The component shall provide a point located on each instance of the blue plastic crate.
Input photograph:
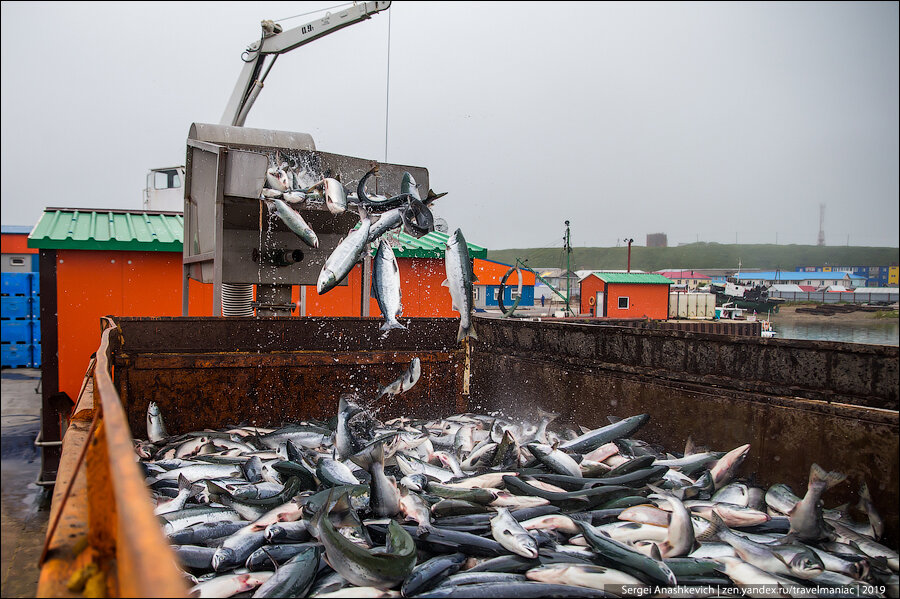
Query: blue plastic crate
(16, 356)
(14, 307)
(35, 331)
(35, 284)
(15, 331)
(36, 355)
(16, 283)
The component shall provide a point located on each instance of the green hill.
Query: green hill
(703, 255)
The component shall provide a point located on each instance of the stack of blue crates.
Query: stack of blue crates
(20, 324)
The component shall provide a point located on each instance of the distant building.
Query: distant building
(625, 295)
(657, 240)
(813, 279)
(690, 278)
(486, 290)
(875, 276)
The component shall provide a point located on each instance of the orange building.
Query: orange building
(95, 263)
(625, 295)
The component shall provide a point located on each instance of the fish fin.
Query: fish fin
(446, 283)
(817, 474)
(584, 429)
(716, 528)
(689, 448)
(472, 332)
(655, 553)
(462, 334)
(183, 482)
(387, 326)
(613, 419)
(864, 494)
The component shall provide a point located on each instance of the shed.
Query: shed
(95, 263)
(625, 295)
(487, 287)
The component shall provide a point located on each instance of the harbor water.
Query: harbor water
(880, 332)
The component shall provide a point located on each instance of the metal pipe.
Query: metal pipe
(630, 241)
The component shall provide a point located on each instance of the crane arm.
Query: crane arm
(272, 44)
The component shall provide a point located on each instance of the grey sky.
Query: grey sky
(700, 120)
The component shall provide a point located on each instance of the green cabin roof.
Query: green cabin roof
(633, 278)
(430, 245)
(86, 229)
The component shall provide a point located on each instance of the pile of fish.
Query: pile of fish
(285, 185)
(477, 505)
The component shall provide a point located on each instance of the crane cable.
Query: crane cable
(312, 12)
(387, 99)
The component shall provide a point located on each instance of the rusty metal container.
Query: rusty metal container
(795, 402)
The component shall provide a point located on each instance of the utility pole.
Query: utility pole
(629, 242)
(568, 247)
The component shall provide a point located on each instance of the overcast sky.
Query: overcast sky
(705, 121)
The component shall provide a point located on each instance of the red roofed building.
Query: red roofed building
(691, 278)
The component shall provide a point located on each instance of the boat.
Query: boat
(748, 298)
(767, 332)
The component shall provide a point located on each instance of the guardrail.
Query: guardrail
(834, 297)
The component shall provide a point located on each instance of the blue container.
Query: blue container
(36, 355)
(16, 283)
(35, 331)
(35, 285)
(13, 307)
(16, 356)
(15, 331)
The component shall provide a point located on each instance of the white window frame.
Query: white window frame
(627, 302)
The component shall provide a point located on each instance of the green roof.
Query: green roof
(85, 229)
(430, 245)
(632, 278)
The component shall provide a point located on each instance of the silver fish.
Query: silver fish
(459, 280)
(335, 196)
(510, 534)
(295, 223)
(406, 381)
(386, 280)
(807, 520)
(156, 428)
(344, 257)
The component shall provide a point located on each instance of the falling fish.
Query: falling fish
(459, 280)
(156, 428)
(295, 223)
(386, 283)
(406, 381)
(345, 256)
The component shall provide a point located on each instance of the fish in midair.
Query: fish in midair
(386, 281)
(345, 255)
(335, 196)
(295, 223)
(406, 381)
(459, 280)
(156, 428)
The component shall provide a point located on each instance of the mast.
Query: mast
(568, 247)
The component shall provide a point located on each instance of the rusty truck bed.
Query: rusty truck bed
(795, 402)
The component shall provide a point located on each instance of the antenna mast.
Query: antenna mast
(821, 240)
(568, 247)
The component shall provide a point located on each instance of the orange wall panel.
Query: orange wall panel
(421, 292)
(650, 301)
(15, 243)
(490, 273)
(92, 284)
(589, 288)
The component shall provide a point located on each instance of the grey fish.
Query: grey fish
(156, 428)
(294, 577)
(386, 286)
(385, 496)
(335, 196)
(510, 534)
(807, 521)
(556, 460)
(345, 256)
(595, 438)
(459, 280)
(406, 381)
(295, 223)
(388, 220)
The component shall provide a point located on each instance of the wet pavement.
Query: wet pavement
(25, 506)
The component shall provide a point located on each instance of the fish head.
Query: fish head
(806, 565)
(153, 409)
(223, 558)
(326, 281)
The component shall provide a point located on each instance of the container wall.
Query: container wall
(206, 372)
(722, 391)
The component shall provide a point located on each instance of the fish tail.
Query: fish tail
(864, 495)
(392, 324)
(818, 475)
(716, 527)
(466, 332)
